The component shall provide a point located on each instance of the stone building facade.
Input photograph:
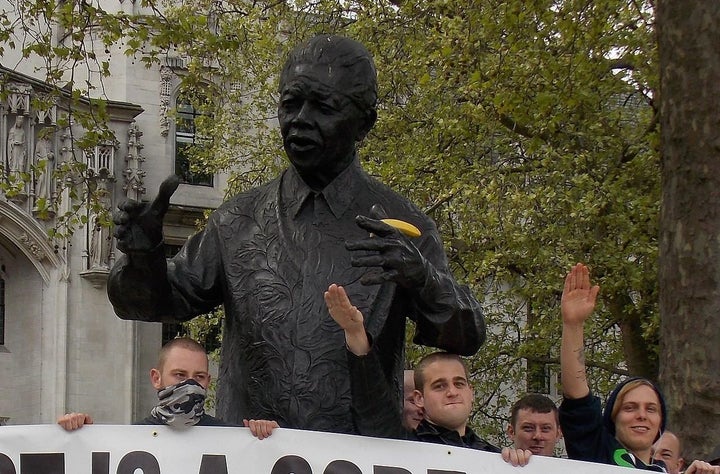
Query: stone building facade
(62, 348)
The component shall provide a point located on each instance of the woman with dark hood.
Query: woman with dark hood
(635, 413)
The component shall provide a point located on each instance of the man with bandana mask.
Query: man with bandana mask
(181, 379)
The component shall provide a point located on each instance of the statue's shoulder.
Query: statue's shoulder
(252, 197)
(246, 204)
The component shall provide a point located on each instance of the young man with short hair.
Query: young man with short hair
(668, 450)
(412, 414)
(442, 389)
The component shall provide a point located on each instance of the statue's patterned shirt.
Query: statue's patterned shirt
(269, 255)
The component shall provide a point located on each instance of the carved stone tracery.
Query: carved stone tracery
(134, 176)
(166, 75)
(37, 151)
(32, 246)
(18, 99)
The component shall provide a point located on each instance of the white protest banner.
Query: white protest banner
(106, 449)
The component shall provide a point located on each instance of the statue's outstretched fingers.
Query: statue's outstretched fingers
(130, 206)
(375, 226)
(161, 203)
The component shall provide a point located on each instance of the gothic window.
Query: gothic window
(185, 141)
(101, 158)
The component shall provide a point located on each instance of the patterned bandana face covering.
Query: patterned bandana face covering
(181, 405)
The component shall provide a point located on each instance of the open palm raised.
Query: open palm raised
(578, 297)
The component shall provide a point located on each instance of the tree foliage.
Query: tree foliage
(525, 128)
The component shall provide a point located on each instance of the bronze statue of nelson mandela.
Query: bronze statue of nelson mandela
(269, 254)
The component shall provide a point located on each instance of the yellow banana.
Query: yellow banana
(404, 227)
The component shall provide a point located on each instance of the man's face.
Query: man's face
(181, 364)
(638, 422)
(538, 432)
(667, 450)
(319, 123)
(412, 414)
(446, 396)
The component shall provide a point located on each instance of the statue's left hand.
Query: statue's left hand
(395, 257)
(139, 225)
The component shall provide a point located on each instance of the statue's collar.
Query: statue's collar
(338, 194)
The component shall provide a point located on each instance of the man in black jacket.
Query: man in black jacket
(442, 390)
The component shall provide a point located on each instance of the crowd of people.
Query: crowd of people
(438, 399)
(274, 256)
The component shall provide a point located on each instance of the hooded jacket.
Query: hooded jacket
(590, 433)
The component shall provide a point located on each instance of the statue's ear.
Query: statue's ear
(369, 121)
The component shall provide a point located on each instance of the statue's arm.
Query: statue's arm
(148, 287)
(138, 288)
(151, 288)
(447, 314)
(142, 284)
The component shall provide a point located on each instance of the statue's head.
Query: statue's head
(328, 95)
(347, 61)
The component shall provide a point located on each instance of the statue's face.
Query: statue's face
(319, 123)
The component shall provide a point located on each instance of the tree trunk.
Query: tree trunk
(639, 355)
(689, 279)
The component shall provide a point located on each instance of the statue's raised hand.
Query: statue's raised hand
(138, 225)
(394, 257)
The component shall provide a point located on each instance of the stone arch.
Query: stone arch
(36, 319)
(30, 238)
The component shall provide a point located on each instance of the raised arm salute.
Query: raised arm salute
(577, 304)
(634, 415)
